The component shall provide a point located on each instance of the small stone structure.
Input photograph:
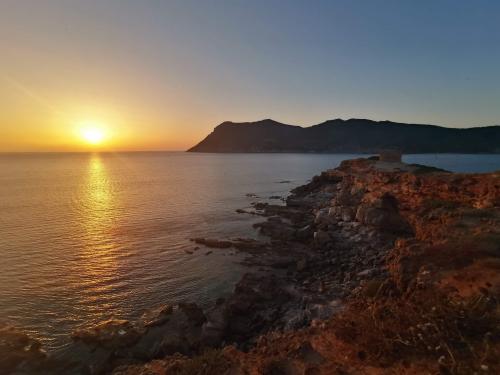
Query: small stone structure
(391, 156)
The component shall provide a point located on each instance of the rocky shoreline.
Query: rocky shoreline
(366, 233)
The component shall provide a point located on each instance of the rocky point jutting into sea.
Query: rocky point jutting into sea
(374, 267)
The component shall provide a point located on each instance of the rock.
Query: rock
(322, 287)
(248, 245)
(180, 333)
(367, 273)
(214, 328)
(321, 216)
(174, 343)
(348, 213)
(193, 312)
(18, 349)
(157, 316)
(110, 334)
(335, 211)
(213, 243)
(383, 215)
(348, 196)
(276, 228)
(254, 305)
(301, 265)
(321, 237)
(304, 233)
(260, 205)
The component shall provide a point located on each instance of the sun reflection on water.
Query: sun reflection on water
(98, 188)
(99, 263)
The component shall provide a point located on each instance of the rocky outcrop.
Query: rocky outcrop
(373, 267)
(395, 271)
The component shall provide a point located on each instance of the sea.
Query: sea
(86, 237)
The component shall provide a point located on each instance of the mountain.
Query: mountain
(348, 136)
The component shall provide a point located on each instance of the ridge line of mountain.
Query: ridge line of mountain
(352, 135)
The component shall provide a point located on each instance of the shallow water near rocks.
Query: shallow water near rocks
(87, 237)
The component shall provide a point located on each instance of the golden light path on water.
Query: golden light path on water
(100, 253)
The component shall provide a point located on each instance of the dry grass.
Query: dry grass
(461, 337)
(210, 362)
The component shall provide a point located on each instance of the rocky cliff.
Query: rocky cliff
(396, 268)
(349, 136)
(371, 268)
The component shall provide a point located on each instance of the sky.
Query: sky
(160, 75)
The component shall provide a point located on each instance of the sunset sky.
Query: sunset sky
(159, 75)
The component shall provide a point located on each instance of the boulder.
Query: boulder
(193, 312)
(214, 328)
(254, 305)
(276, 228)
(383, 214)
(321, 237)
(156, 316)
(335, 211)
(348, 213)
(321, 216)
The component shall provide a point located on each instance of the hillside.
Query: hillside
(348, 136)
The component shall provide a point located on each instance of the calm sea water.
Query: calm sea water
(87, 237)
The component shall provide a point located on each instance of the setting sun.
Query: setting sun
(93, 135)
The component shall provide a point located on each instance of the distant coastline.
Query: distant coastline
(348, 136)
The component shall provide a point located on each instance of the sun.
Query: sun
(92, 134)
